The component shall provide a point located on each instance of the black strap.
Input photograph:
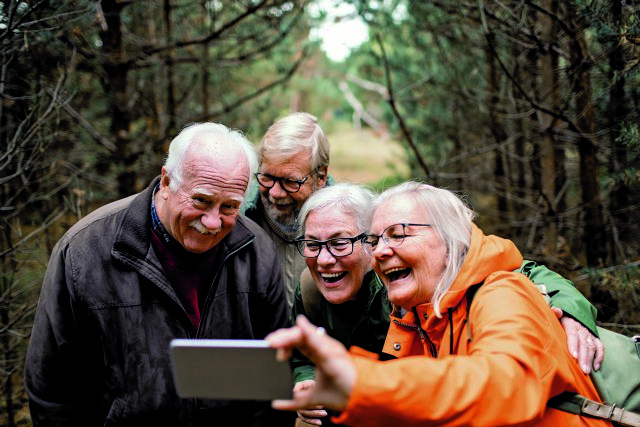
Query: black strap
(471, 293)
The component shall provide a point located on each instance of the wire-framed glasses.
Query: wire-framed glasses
(287, 184)
(393, 235)
(338, 247)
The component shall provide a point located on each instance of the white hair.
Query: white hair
(217, 133)
(351, 199)
(452, 221)
(293, 134)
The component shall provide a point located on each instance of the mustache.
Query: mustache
(285, 201)
(201, 228)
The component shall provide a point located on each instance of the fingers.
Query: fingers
(557, 311)
(304, 385)
(302, 335)
(301, 399)
(312, 416)
(284, 340)
(572, 330)
(335, 371)
(597, 361)
(587, 352)
(583, 346)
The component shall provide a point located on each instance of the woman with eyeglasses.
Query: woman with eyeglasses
(495, 363)
(341, 291)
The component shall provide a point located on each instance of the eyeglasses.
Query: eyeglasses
(393, 235)
(338, 247)
(287, 184)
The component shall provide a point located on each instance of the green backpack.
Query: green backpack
(617, 380)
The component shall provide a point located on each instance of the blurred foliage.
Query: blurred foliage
(437, 57)
(617, 297)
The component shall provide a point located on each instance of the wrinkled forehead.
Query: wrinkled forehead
(300, 156)
(331, 215)
(394, 210)
(215, 168)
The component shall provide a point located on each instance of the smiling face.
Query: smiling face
(205, 207)
(338, 278)
(281, 205)
(412, 270)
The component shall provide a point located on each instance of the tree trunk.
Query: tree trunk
(594, 236)
(116, 86)
(169, 60)
(617, 111)
(496, 127)
(549, 89)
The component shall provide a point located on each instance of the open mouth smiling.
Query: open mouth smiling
(332, 277)
(397, 273)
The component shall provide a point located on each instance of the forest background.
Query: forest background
(529, 109)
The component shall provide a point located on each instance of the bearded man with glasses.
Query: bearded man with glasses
(293, 160)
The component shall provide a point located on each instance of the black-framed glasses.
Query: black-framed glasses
(287, 184)
(393, 235)
(338, 247)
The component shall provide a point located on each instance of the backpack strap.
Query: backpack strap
(580, 405)
(471, 293)
(311, 297)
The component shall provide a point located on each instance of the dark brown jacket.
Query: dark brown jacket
(99, 353)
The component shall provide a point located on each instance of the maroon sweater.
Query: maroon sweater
(190, 274)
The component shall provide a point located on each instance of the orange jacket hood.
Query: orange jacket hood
(486, 255)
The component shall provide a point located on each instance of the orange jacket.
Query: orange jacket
(516, 361)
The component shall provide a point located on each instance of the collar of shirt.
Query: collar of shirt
(156, 224)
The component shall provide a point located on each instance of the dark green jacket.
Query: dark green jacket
(362, 322)
(563, 294)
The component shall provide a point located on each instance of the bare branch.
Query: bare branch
(360, 113)
(97, 136)
(51, 219)
(259, 91)
(392, 103)
(369, 85)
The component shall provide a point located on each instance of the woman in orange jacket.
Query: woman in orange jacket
(495, 363)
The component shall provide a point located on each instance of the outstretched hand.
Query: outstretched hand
(335, 372)
(586, 348)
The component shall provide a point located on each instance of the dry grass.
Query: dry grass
(361, 156)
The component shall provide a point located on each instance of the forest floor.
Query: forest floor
(363, 156)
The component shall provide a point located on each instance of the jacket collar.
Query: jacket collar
(486, 255)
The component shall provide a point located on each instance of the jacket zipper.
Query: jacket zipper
(423, 334)
(226, 257)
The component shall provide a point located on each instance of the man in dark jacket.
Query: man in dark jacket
(174, 261)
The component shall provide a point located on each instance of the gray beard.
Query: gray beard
(286, 221)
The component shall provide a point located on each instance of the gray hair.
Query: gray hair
(293, 134)
(217, 133)
(451, 219)
(352, 199)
